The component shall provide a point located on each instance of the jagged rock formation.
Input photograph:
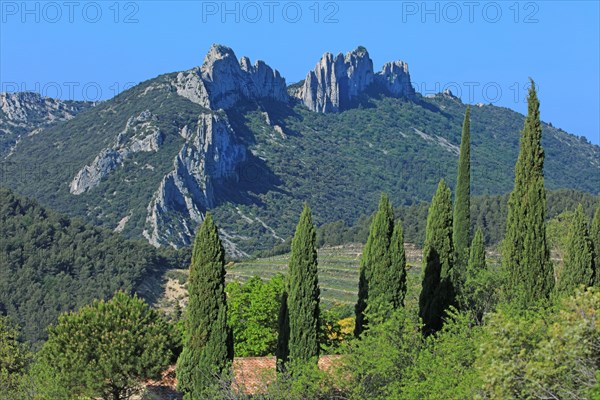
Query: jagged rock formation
(140, 134)
(222, 81)
(177, 207)
(337, 81)
(395, 79)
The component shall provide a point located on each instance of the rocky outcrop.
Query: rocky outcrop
(333, 83)
(222, 81)
(395, 79)
(337, 81)
(208, 156)
(24, 107)
(29, 113)
(140, 134)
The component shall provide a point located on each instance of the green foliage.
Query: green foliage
(105, 350)
(50, 264)
(557, 233)
(337, 328)
(303, 294)
(301, 381)
(544, 353)
(481, 289)
(462, 205)
(14, 360)
(252, 314)
(282, 352)
(443, 368)
(375, 364)
(525, 255)
(375, 262)
(437, 293)
(595, 240)
(579, 258)
(395, 278)
(207, 346)
(489, 212)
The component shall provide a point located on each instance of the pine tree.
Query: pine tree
(303, 294)
(437, 292)
(208, 344)
(525, 255)
(595, 241)
(462, 205)
(375, 257)
(579, 258)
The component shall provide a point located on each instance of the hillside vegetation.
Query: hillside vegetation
(50, 264)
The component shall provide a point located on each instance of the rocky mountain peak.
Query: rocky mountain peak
(337, 81)
(395, 79)
(223, 81)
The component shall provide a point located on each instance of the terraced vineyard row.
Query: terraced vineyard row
(338, 271)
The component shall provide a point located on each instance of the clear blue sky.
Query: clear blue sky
(484, 51)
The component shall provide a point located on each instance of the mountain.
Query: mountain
(233, 137)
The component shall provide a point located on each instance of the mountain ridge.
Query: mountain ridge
(235, 138)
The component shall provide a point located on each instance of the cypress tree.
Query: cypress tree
(437, 292)
(207, 345)
(303, 294)
(375, 257)
(388, 282)
(475, 295)
(595, 241)
(398, 269)
(578, 263)
(283, 338)
(462, 205)
(525, 254)
(476, 255)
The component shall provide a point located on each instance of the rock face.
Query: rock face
(140, 134)
(209, 155)
(337, 81)
(222, 81)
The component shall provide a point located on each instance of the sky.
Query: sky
(483, 51)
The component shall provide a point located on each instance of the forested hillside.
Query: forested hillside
(50, 264)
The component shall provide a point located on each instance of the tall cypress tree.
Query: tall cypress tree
(595, 240)
(303, 294)
(375, 257)
(437, 292)
(579, 258)
(525, 255)
(462, 205)
(397, 272)
(387, 287)
(282, 352)
(208, 344)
